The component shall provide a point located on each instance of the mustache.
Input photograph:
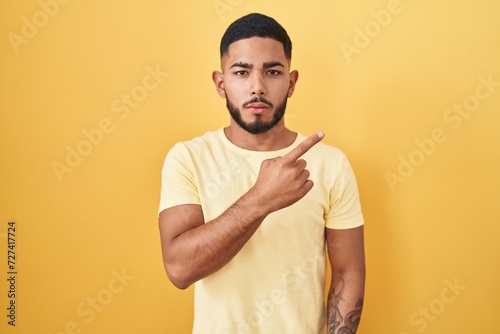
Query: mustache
(258, 99)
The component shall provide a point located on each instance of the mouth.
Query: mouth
(258, 108)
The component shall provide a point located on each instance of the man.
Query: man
(242, 217)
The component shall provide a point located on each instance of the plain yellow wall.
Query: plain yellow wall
(94, 93)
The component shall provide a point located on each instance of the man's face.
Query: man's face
(256, 83)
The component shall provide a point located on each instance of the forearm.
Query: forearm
(199, 252)
(345, 303)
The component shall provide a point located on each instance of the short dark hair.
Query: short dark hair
(256, 25)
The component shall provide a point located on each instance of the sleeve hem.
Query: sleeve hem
(346, 225)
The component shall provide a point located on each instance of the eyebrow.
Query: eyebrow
(265, 65)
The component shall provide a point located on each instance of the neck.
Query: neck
(275, 139)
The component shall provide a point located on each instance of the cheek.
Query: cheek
(235, 93)
(280, 87)
(281, 92)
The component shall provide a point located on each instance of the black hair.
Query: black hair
(256, 25)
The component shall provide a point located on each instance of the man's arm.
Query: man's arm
(347, 260)
(193, 249)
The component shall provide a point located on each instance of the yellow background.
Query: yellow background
(427, 227)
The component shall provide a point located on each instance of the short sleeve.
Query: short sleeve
(178, 184)
(345, 208)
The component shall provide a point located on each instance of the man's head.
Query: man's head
(255, 79)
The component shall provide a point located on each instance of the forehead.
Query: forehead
(254, 50)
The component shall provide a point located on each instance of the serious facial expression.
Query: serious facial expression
(256, 83)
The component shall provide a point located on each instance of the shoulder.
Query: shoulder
(329, 151)
(323, 151)
(208, 140)
(325, 159)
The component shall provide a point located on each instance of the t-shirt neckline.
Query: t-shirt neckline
(279, 152)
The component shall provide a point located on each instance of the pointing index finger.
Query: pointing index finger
(303, 147)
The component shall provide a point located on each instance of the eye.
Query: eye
(273, 72)
(242, 72)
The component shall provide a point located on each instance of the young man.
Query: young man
(242, 217)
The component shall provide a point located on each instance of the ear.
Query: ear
(294, 76)
(218, 79)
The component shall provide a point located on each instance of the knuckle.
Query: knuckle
(266, 162)
(301, 163)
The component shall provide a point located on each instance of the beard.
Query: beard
(258, 126)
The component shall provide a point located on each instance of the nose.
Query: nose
(257, 85)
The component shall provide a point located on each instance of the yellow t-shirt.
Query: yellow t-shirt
(276, 283)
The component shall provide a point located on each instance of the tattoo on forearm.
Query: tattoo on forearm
(336, 319)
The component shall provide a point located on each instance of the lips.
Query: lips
(258, 108)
